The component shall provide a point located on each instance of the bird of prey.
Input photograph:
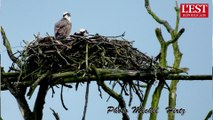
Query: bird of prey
(63, 27)
(82, 32)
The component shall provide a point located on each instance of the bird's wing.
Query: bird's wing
(68, 28)
(60, 24)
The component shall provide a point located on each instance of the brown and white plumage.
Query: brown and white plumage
(63, 27)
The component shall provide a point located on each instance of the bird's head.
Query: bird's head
(83, 31)
(67, 15)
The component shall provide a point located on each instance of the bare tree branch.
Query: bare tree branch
(156, 18)
(55, 114)
(9, 50)
(113, 94)
(208, 115)
(40, 101)
(105, 74)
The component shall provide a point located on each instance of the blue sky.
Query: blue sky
(21, 19)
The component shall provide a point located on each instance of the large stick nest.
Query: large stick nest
(70, 54)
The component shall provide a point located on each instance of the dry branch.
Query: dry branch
(177, 60)
(106, 75)
(55, 114)
(175, 35)
(112, 93)
(156, 18)
(9, 50)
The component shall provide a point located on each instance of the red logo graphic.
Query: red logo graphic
(194, 10)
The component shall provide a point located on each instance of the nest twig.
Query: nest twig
(69, 54)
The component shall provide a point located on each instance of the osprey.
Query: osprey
(82, 32)
(63, 27)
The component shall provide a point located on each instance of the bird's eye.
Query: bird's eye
(68, 14)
